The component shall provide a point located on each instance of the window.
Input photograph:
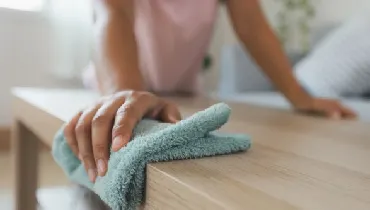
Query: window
(25, 5)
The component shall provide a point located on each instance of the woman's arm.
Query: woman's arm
(109, 122)
(253, 30)
(255, 33)
(115, 53)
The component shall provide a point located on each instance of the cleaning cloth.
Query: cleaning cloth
(123, 185)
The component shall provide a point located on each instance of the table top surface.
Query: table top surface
(296, 162)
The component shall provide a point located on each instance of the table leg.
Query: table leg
(25, 156)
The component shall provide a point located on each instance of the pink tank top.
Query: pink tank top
(172, 38)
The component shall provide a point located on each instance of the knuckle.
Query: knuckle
(100, 147)
(100, 150)
(100, 120)
(86, 157)
(128, 93)
(132, 93)
(144, 96)
(112, 98)
(130, 108)
(127, 111)
(137, 94)
(119, 94)
(81, 128)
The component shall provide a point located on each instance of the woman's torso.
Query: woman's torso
(172, 38)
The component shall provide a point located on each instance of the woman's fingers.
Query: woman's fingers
(90, 133)
(170, 113)
(337, 111)
(101, 133)
(128, 115)
(330, 108)
(83, 135)
(348, 113)
(70, 135)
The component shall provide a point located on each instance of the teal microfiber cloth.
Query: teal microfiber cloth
(123, 185)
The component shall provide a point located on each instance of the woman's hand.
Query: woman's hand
(111, 122)
(329, 108)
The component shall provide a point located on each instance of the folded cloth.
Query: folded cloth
(123, 185)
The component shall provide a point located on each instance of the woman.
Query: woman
(145, 48)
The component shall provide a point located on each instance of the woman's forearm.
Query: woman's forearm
(115, 53)
(255, 33)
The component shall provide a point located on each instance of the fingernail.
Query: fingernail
(173, 119)
(92, 174)
(101, 167)
(80, 157)
(117, 142)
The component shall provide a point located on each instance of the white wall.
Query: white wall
(336, 11)
(25, 52)
(328, 12)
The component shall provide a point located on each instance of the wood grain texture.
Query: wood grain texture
(5, 138)
(296, 162)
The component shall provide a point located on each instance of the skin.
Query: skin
(110, 121)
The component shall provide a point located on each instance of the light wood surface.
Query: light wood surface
(4, 138)
(296, 162)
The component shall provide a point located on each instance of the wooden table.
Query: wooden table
(296, 162)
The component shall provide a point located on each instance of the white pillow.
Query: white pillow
(239, 72)
(340, 64)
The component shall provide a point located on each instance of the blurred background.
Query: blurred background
(47, 43)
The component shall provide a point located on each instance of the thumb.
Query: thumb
(170, 113)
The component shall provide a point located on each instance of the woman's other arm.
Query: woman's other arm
(255, 33)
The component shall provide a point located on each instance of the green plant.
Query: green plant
(288, 20)
(207, 62)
